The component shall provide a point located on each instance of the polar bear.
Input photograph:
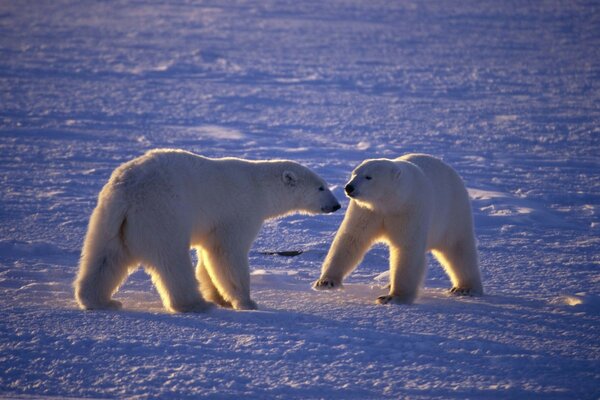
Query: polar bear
(154, 208)
(416, 203)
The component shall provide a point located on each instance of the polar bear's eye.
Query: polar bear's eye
(368, 177)
(321, 189)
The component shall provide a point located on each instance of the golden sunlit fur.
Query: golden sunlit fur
(415, 203)
(154, 208)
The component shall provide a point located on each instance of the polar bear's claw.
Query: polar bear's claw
(245, 305)
(389, 299)
(384, 299)
(326, 284)
(457, 291)
(394, 299)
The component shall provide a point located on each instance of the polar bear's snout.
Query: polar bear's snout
(331, 209)
(349, 189)
(329, 203)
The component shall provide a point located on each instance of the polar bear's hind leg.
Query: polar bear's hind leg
(207, 287)
(174, 278)
(461, 263)
(104, 266)
(96, 284)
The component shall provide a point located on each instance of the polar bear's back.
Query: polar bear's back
(153, 170)
(438, 172)
(169, 179)
(451, 208)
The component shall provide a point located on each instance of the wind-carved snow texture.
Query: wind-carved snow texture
(505, 92)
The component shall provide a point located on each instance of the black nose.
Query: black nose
(336, 207)
(349, 188)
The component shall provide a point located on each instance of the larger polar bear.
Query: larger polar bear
(415, 203)
(154, 208)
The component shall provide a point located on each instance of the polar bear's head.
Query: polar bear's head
(378, 184)
(308, 191)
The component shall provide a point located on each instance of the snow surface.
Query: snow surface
(508, 92)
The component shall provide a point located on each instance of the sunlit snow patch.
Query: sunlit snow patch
(280, 280)
(307, 78)
(218, 132)
(144, 68)
(363, 145)
(209, 131)
(489, 203)
(572, 300)
(581, 301)
(383, 278)
(505, 118)
(501, 204)
(480, 194)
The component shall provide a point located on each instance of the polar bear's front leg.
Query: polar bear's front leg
(406, 275)
(357, 233)
(407, 266)
(461, 263)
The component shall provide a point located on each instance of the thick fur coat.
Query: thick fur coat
(415, 203)
(154, 208)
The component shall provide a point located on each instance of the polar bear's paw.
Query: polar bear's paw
(458, 291)
(326, 284)
(218, 300)
(389, 299)
(111, 305)
(385, 299)
(245, 305)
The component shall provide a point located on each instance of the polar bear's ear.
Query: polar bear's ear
(289, 178)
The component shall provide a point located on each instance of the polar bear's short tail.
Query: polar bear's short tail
(104, 258)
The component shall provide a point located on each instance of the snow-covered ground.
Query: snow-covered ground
(508, 92)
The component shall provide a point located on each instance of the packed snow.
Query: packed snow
(508, 93)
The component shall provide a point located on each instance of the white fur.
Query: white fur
(154, 208)
(415, 203)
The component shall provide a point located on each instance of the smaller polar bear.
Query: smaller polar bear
(415, 203)
(154, 208)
